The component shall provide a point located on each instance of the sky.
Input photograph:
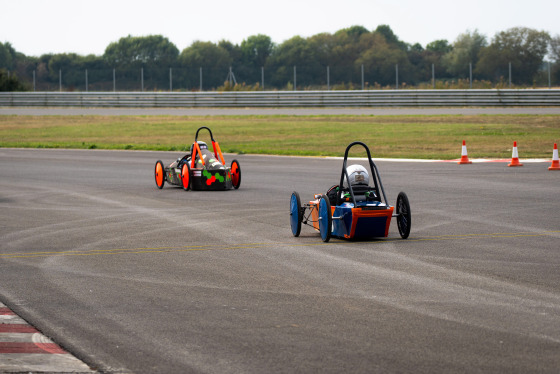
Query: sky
(36, 27)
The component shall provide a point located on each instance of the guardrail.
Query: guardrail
(367, 98)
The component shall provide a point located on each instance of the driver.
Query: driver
(210, 161)
(358, 176)
(359, 180)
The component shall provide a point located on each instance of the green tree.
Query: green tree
(142, 58)
(555, 48)
(440, 46)
(23, 67)
(466, 49)
(390, 36)
(205, 54)
(323, 45)
(253, 52)
(213, 59)
(421, 60)
(347, 46)
(355, 32)
(10, 83)
(136, 51)
(297, 52)
(72, 67)
(555, 56)
(7, 56)
(379, 58)
(523, 47)
(434, 53)
(256, 49)
(67, 63)
(234, 50)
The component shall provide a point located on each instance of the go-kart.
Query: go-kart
(351, 212)
(200, 169)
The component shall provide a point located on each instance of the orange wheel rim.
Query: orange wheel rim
(234, 174)
(159, 174)
(185, 176)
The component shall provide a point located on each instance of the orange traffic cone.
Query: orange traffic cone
(515, 156)
(555, 162)
(464, 157)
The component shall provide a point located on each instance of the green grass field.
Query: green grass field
(429, 137)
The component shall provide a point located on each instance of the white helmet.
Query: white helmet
(358, 175)
(202, 145)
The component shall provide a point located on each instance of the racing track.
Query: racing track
(130, 278)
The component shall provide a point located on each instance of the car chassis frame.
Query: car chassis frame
(355, 217)
(184, 172)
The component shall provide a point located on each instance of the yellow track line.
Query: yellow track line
(96, 252)
(144, 250)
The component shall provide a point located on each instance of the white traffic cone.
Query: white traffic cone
(515, 156)
(464, 157)
(555, 161)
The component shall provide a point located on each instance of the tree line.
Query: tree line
(342, 60)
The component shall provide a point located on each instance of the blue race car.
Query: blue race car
(354, 209)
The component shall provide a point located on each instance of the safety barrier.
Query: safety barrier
(366, 98)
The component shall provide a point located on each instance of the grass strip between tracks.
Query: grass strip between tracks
(427, 137)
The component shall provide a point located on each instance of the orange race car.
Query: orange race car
(200, 169)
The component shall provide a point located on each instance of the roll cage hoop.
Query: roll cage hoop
(215, 148)
(374, 174)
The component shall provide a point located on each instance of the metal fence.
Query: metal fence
(348, 77)
(357, 98)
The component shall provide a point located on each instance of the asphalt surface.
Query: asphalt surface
(129, 278)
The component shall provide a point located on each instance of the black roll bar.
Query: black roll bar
(201, 128)
(374, 173)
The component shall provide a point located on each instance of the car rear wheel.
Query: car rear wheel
(296, 214)
(159, 174)
(186, 176)
(325, 218)
(404, 218)
(235, 174)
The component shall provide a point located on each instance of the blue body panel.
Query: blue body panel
(342, 227)
(366, 227)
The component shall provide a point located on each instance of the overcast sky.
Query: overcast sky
(36, 27)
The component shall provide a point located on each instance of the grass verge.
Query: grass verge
(429, 137)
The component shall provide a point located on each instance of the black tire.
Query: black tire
(325, 218)
(159, 174)
(235, 174)
(186, 176)
(296, 214)
(404, 218)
